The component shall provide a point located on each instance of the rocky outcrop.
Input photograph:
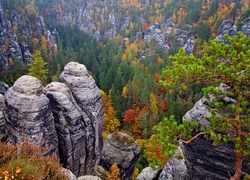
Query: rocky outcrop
(203, 159)
(245, 28)
(67, 120)
(9, 43)
(120, 148)
(16, 33)
(69, 127)
(176, 167)
(3, 87)
(228, 26)
(161, 34)
(149, 173)
(28, 114)
(3, 134)
(111, 30)
(87, 101)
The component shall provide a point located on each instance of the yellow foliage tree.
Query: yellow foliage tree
(114, 173)
(44, 45)
(111, 123)
(124, 91)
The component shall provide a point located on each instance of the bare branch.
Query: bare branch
(193, 138)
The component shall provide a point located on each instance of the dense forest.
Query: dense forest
(127, 69)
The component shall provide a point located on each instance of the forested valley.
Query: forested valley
(145, 85)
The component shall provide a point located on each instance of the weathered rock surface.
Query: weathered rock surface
(69, 174)
(228, 26)
(67, 120)
(28, 114)
(69, 127)
(176, 167)
(120, 148)
(148, 173)
(160, 32)
(15, 35)
(88, 177)
(3, 134)
(199, 113)
(203, 159)
(88, 103)
(3, 87)
(245, 29)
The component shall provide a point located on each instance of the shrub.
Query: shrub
(25, 161)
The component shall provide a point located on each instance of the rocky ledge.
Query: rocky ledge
(122, 150)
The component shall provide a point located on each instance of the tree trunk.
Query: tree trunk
(239, 157)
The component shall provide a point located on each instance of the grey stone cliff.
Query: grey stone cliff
(203, 159)
(88, 103)
(148, 173)
(176, 167)
(28, 114)
(69, 127)
(120, 148)
(66, 118)
(3, 134)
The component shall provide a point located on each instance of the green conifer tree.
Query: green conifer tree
(38, 67)
(221, 63)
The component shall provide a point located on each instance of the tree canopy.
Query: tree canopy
(38, 67)
(221, 63)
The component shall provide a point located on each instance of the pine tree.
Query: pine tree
(38, 67)
(221, 63)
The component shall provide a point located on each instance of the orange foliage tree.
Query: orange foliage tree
(129, 116)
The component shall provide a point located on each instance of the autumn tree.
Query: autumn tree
(38, 67)
(222, 63)
(162, 145)
(111, 123)
(114, 173)
(129, 116)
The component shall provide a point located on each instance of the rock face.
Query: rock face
(3, 87)
(203, 159)
(228, 26)
(87, 101)
(28, 114)
(69, 127)
(120, 148)
(67, 120)
(161, 33)
(14, 35)
(176, 167)
(3, 134)
(148, 173)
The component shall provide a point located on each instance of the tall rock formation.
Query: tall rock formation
(120, 148)
(67, 120)
(69, 127)
(28, 114)
(88, 103)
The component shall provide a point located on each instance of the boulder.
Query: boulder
(28, 114)
(122, 149)
(68, 174)
(176, 167)
(88, 102)
(148, 173)
(88, 177)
